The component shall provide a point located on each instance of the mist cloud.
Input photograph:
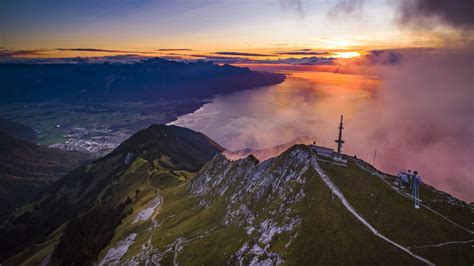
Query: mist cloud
(418, 114)
(293, 4)
(431, 13)
(343, 8)
(376, 57)
(422, 120)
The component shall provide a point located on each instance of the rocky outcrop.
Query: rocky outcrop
(260, 197)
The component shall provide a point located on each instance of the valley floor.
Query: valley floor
(94, 128)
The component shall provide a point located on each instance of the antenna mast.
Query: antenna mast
(339, 141)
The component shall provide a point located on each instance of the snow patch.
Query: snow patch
(148, 211)
(129, 158)
(114, 255)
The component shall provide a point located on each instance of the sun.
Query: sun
(346, 54)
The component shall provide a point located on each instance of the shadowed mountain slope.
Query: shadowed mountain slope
(17, 130)
(27, 169)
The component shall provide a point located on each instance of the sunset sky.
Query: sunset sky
(264, 28)
(420, 50)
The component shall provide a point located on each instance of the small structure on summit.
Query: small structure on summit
(335, 157)
(323, 151)
(413, 180)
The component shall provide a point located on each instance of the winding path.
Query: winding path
(443, 244)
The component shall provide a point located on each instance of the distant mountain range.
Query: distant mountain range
(168, 196)
(148, 80)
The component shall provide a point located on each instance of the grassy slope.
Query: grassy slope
(456, 210)
(395, 216)
(327, 231)
(458, 254)
(460, 212)
(126, 185)
(180, 216)
(329, 234)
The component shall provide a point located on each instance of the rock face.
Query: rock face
(290, 209)
(276, 183)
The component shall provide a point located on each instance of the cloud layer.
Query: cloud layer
(242, 54)
(417, 115)
(102, 50)
(422, 119)
(431, 13)
(6, 53)
(344, 8)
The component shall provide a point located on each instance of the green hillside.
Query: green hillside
(291, 209)
(103, 187)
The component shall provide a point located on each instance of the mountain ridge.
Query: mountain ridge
(278, 211)
(147, 80)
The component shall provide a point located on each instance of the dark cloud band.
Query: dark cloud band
(5, 53)
(174, 50)
(430, 13)
(101, 50)
(241, 54)
(303, 52)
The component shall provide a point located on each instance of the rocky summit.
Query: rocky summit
(150, 203)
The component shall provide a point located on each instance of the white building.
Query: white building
(322, 151)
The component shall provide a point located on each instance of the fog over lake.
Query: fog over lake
(273, 115)
(309, 103)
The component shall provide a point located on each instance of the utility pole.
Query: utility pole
(375, 154)
(339, 141)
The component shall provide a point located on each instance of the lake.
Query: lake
(405, 130)
(308, 103)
